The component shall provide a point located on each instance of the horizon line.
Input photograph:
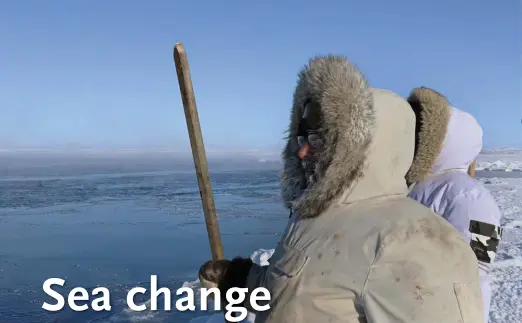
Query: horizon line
(160, 150)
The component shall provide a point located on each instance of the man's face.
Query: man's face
(310, 143)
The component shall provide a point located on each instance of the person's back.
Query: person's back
(440, 181)
(356, 248)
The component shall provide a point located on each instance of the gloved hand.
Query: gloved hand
(225, 274)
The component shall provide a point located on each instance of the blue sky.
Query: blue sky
(100, 74)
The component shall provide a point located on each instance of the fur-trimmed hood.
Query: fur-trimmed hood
(447, 138)
(368, 137)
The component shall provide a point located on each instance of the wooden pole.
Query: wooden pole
(198, 151)
(471, 169)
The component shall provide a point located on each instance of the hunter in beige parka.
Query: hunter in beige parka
(356, 248)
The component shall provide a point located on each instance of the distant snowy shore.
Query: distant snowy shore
(501, 159)
(502, 151)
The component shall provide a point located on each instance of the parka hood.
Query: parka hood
(447, 138)
(368, 137)
(462, 143)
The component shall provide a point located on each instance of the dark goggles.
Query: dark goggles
(310, 119)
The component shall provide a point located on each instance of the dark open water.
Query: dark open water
(116, 230)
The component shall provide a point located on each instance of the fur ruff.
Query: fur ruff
(433, 112)
(341, 92)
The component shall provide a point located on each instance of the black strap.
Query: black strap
(485, 238)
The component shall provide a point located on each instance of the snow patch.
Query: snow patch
(507, 268)
(517, 224)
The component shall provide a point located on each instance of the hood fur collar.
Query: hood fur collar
(432, 112)
(341, 93)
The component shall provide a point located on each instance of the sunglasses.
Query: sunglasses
(309, 123)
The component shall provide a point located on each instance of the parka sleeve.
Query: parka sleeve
(421, 277)
(477, 217)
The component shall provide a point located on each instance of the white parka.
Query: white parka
(441, 181)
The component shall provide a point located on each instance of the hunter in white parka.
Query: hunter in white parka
(448, 141)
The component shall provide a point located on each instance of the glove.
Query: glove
(225, 274)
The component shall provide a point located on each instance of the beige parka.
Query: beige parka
(357, 249)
